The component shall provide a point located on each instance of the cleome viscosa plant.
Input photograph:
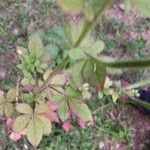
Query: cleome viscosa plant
(49, 93)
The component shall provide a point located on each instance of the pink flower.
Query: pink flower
(9, 123)
(67, 126)
(82, 123)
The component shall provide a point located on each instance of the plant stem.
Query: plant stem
(91, 24)
(138, 84)
(137, 102)
(128, 63)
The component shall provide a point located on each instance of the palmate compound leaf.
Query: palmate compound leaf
(35, 124)
(35, 46)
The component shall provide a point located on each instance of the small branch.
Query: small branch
(138, 84)
(57, 90)
(92, 23)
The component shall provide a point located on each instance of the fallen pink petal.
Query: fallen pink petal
(52, 116)
(67, 126)
(82, 123)
(15, 136)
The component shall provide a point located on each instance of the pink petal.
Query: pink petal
(9, 123)
(67, 126)
(52, 116)
(15, 136)
(82, 123)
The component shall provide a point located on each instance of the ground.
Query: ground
(116, 127)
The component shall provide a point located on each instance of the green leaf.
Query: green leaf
(35, 46)
(1, 110)
(34, 131)
(24, 108)
(100, 94)
(46, 124)
(76, 53)
(73, 31)
(76, 73)
(108, 83)
(97, 47)
(11, 95)
(71, 6)
(115, 96)
(59, 79)
(94, 73)
(41, 108)
(63, 111)
(47, 73)
(71, 93)
(8, 109)
(21, 123)
(84, 112)
(2, 99)
(46, 58)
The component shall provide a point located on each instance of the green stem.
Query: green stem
(128, 63)
(138, 102)
(91, 24)
(87, 29)
(138, 84)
